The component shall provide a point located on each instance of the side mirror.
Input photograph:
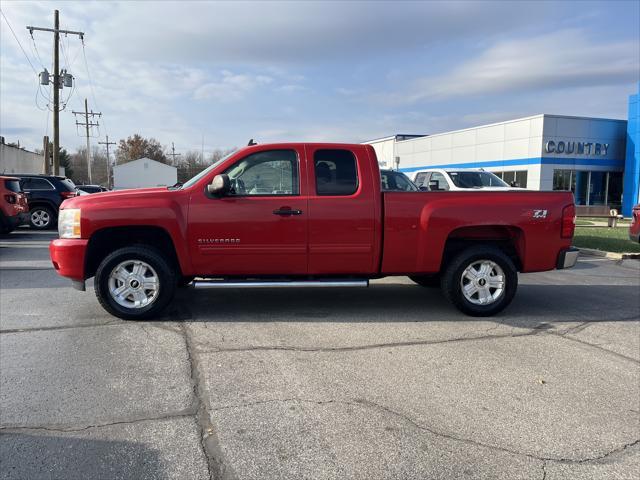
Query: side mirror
(434, 185)
(515, 184)
(423, 188)
(220, 185)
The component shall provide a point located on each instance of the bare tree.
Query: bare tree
(136, 147)
(78, 162)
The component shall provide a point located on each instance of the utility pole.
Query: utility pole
(107, 143)
(173, 153)
(87, 124)
(57, 84)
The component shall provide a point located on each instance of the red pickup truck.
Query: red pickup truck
(307, 214)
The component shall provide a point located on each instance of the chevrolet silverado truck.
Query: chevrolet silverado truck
(307, 215)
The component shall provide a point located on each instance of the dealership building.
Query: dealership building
(596, 158)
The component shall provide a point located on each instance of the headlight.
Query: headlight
(69, 223)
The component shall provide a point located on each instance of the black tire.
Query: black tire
(428, 281)
(452, 279)
(41, 212)
(167, 281)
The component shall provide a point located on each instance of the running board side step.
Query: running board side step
(279, 284)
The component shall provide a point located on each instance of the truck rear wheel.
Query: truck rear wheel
(480, 281)
(135, 283)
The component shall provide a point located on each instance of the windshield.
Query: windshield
(476, 180)
(203, 173)
(13, 185)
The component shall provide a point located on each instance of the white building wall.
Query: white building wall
(514, 145)
(143, 173)
(17, 160)
(384, 148)
(495, 147)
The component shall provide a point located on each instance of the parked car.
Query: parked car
(14, 209)
(634, 229)
(394, 181)
(46, 193)
(92, 188)
(302, 215)
(459, 179)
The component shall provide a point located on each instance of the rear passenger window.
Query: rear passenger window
(36, 184)
(336, 172)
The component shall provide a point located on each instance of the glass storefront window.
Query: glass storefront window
(518, 176)
(614, 193)
(591, 188)
(597, 188)
(581, 190)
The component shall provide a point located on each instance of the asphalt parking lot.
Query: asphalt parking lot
(385, 382)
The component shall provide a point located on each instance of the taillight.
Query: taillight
(10, 198)
(67, 194)
(568, 221)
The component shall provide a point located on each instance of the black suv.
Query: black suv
(46, 193)
(92, 188)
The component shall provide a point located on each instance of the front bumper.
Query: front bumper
(567, 258)
(67, 256)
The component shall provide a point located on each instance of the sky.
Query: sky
(219, 73)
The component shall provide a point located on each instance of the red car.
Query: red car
(14, 210)
(302, 215)
(634, 229)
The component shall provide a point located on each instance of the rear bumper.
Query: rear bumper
(16, 220)
(67, 256)
(567, 258)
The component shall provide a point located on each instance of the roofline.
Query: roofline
(504, 122)
(389, 137)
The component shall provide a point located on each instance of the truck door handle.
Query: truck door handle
(286, 211)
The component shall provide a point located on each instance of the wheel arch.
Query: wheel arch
(508, 239)
(107, 240)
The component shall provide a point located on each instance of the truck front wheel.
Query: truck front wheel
(480, 281)
(135, 283)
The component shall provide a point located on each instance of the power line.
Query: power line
(88, 124)
(93, 93)
(19, 44)
(58, 81)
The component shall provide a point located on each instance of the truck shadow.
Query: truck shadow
(533, 305)
(71, 455)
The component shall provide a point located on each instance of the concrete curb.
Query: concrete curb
(611, 255)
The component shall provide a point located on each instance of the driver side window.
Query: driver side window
(273, 172)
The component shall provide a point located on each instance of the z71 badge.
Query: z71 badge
(539, 214)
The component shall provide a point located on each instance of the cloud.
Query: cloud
(559, 60)
(230, 87)
(272, 32)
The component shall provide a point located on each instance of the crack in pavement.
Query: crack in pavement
(535, 331)
(58, 428)
(406, 418)
(594, 345)
(209, 442)
(362, 347)
(65, 327)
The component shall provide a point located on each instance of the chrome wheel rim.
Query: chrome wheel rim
(482, 282)
(134, 284)
(40, 218)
